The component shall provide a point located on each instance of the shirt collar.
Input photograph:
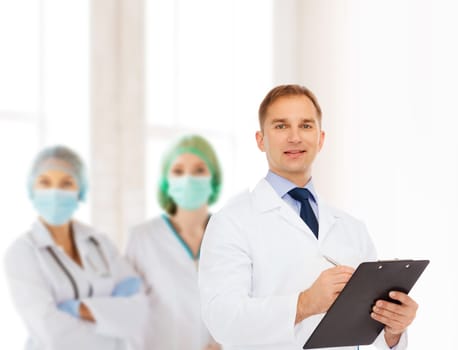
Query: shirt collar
(282, 186)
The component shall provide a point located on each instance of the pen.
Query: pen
(332, 261)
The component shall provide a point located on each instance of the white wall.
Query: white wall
(209, 64)
(385, 73)
(44, 82)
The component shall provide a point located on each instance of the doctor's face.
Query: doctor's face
(291, 138)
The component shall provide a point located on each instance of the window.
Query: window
(43, 100)
(209, 64)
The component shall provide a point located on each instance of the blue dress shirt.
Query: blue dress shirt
(282, 186)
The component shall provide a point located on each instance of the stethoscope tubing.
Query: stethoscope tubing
(66, 271)
(69, 275)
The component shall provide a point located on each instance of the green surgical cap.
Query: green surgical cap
(200, 147)
(59, 158)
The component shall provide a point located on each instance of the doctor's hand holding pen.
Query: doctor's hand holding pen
(324, 291)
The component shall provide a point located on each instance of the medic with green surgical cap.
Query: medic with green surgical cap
(68, 282)
(165, 250)
(194, 189)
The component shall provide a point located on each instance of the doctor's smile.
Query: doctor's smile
(294, 154)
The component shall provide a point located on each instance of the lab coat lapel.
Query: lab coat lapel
(82, 234)
(41, 236)
(327, 219)
(267, 200)
(89, 249)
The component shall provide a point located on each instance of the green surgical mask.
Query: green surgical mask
(190, 192)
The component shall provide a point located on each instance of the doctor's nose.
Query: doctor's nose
(294, 135)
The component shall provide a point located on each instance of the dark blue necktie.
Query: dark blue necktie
(302, 195)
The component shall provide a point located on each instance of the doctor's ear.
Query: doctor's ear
(260, 140)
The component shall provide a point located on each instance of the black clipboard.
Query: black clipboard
(348, 321)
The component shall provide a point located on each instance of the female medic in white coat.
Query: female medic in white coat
(68, 283)
(165, 250)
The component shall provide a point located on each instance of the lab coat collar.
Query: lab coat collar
(265, 199)
(43, 239)
(41, 236)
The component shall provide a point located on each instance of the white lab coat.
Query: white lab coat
(257, 256)
(170, 275)
(38, 284)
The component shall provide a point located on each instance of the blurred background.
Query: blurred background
(118, 80)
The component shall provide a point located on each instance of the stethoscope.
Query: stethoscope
(69, 275)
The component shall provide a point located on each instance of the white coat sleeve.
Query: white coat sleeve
(380, 342)
(118, 316)
(232, 314)
(35, 302)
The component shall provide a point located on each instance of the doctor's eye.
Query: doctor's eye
(67, 184)
(280, 126)
(177, 171)
(200, 170)
(43, 182)
(306, 126)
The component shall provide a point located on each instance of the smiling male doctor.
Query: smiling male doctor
(264, 281)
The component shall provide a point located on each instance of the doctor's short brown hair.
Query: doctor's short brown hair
(286, 91)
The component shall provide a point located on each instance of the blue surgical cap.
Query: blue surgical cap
(59, 158)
